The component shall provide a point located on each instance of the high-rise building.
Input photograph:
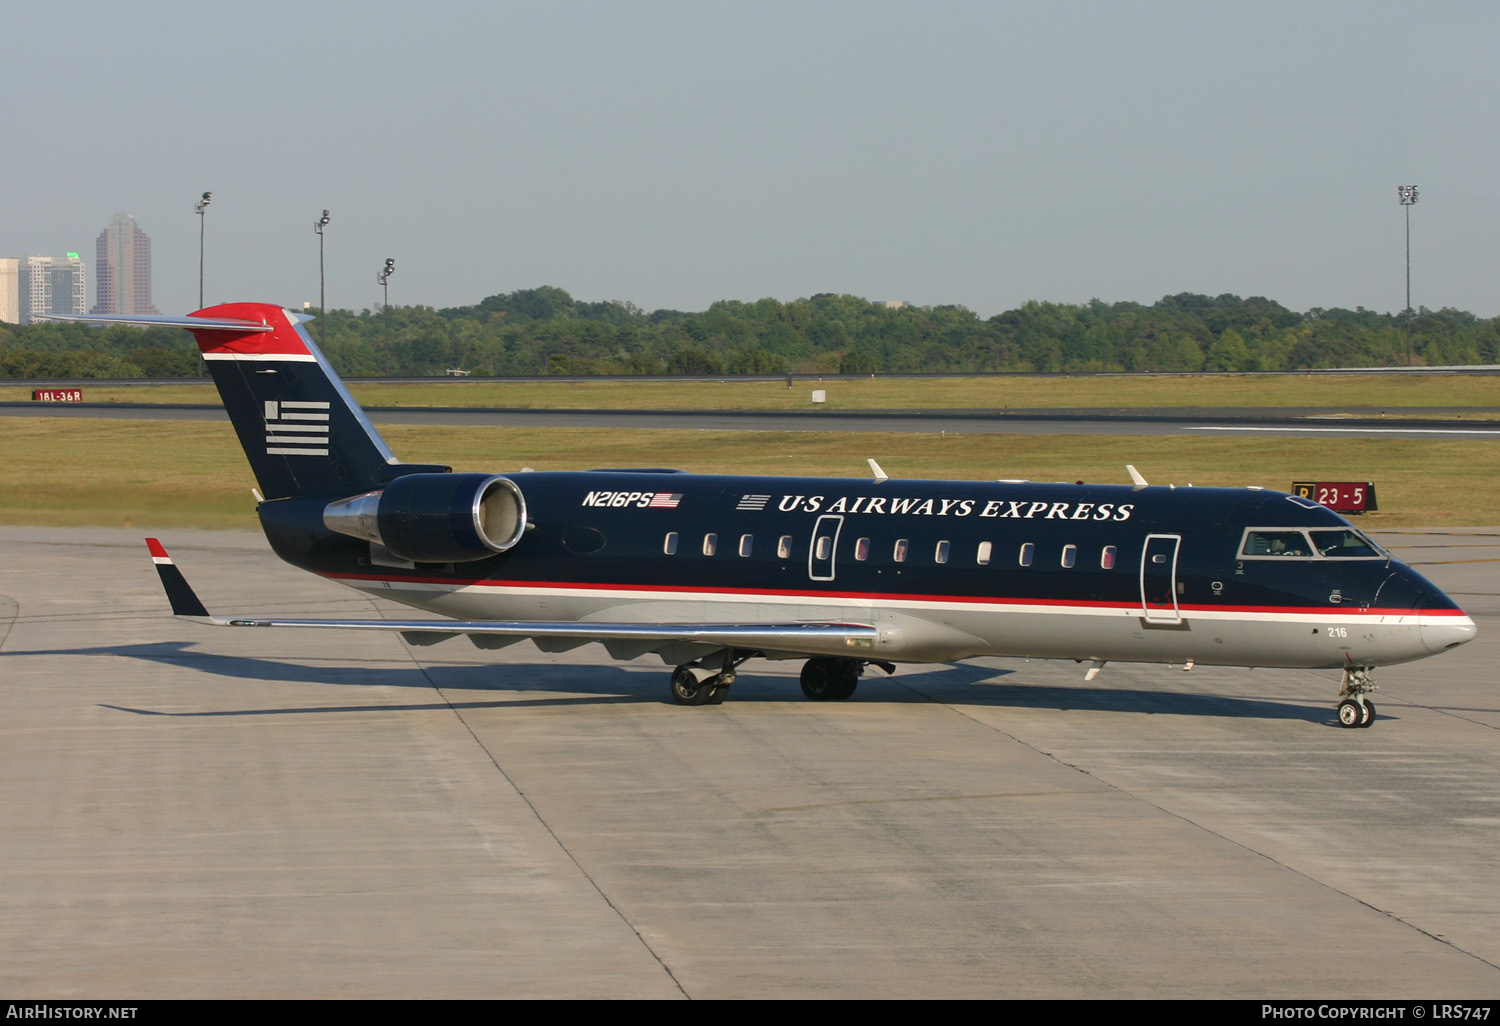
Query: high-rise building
(123, 269)
(48, 285)
(10, 290)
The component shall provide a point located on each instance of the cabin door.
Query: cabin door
(1159, 578)
(825, 543)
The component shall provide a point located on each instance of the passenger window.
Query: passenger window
(670, 545)
(747, 542)
(784, 547)
(941, 555)
(862, 549)
(1028, 552)
(1069, 556)
(710, 544)
(984, 554)
(899, 555)
(1107, 557)
(825, 546)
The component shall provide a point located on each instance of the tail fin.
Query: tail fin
(302, 431)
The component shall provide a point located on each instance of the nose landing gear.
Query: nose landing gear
(1355, 710)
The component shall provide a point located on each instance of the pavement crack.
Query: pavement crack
(562, 845)
(10, 610)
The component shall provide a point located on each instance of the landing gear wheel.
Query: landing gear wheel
(1351, 714)
(830, 680)
(687, 691)
(820, 679)
(1355, 710)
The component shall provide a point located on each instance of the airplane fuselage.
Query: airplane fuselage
(708, 571)
(945, 570)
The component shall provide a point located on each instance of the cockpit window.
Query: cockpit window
(1276, 543)
(1342, 544)
(1317, 543)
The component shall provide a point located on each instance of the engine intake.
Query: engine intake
(435, 518)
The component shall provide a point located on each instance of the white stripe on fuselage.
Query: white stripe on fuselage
(504, 597)
(270, 357)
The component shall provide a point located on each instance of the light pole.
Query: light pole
(384, 278)
(199, 208)
(318, 227)
(1407, 194)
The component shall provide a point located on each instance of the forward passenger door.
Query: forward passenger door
(1159, 579)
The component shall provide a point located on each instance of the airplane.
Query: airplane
(707, 571)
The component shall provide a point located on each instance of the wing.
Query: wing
(624, 640)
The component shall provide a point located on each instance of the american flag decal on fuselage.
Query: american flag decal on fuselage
(296, 428)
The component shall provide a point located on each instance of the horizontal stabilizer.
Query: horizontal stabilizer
(233, 324)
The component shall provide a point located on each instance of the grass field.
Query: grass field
(1387, 391)
(193, 474)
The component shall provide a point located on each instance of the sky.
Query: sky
(673, 154)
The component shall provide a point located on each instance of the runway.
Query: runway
(1331, 422)
(192, 812)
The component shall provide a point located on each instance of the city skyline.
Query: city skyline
(33, 286)
(122, 268)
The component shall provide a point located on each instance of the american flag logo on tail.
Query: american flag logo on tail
(296, 428)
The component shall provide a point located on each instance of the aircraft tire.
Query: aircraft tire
(821, 679)
(1351, 713)
(687, 691)
(848, 681)
(1369, 716)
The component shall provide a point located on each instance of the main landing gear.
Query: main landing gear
(824, 679)
(688, 689)
(831, 680)
(702, 683)
(1355, 710)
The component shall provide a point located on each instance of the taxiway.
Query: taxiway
(192, 812)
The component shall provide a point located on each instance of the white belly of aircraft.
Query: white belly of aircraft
(915, 630)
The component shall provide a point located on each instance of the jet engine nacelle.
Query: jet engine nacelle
(435, 518)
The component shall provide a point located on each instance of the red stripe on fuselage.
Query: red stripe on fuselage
(876, 596)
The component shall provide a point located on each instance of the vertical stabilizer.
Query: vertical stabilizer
(302, 431)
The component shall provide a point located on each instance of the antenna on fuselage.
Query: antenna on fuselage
(1135, 476)
(880, 475)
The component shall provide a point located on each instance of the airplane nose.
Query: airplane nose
(1441, 624)
(1442, 633)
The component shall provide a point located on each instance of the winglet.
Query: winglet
(179, 592)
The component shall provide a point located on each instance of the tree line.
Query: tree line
(546, 331)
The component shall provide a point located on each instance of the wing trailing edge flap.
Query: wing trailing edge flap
(624, 640)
